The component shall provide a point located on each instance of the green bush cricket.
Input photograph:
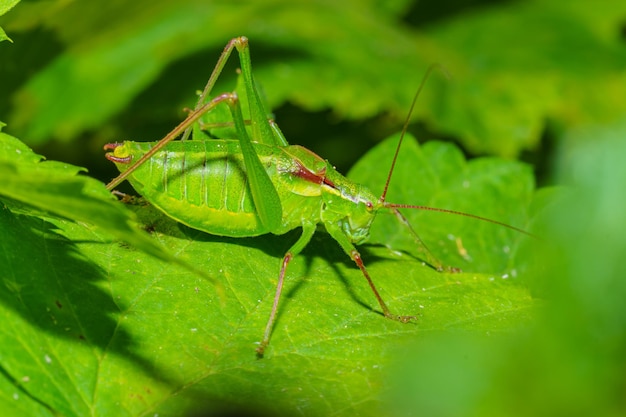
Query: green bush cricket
(249, 186)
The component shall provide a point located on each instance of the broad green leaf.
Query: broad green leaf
(571, 362)
(54, 187)
(95, 326)
(114, 331)
(437, 175)
(5, 6)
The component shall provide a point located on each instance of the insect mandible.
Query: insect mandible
(256, 183)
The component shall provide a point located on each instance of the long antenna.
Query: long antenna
(460, 213)
(430, 69)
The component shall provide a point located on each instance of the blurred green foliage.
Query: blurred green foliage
(81, 73)
(571, 361)
(95, 327)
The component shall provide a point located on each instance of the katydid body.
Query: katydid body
(242, 186)
(208, 178)
(203, 184)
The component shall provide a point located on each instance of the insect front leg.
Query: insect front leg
(307, 233)
(354, 254)
(190, 120)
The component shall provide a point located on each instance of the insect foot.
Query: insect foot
(449, 269)
(401, 319)
(260, 351)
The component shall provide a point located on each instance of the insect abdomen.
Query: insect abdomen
(199, 183)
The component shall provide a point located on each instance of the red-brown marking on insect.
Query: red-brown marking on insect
(314, 177)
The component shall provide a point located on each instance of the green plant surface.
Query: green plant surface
(5, 6)
(55, 187)
(571, 361)
(437, 175)
(99, 327)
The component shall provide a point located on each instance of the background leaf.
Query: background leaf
(570, 362)
(513, 65)
(5, 6)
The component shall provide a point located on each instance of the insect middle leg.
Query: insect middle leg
(307, 233)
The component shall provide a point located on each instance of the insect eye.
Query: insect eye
(369, 205)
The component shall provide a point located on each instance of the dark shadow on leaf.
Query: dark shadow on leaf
(322, 245)
(19, 387)
(155, 221)
(372, 258)
(52, 285)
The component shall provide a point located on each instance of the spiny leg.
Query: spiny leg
(345, 243)
(217, 70)
(270, 322)
(356, 257)
(201, 108)
(190, 120)
(262, 132)
(307, 233)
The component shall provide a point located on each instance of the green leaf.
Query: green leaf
(54, 187)
(437, 175)
(5, 6)
(3, 36)
(499, 96)
(571, 361)
(93, 326)
(114, 331)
